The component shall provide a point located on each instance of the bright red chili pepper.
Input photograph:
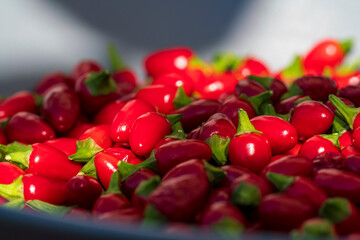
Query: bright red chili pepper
(28, 127)
(53, 79)
(311, 118)
(100, 134)
(84, 67)
(78, 130)
(125, 118)
(107, 114)
(166, 140)
(66, 145)
(123, 154)
(175, 80)
(248, 148)
(345, 139)
(167, 61)
(147, 131)
(317, 145)
(19, 102)
(216, 85)
(105, 165)
(251, 66)
(9, 172)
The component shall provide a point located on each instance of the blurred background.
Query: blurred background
(40, 36)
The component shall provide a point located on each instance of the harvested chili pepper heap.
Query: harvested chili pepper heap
(223, 147)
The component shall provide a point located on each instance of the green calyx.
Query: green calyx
(268, 109)
(335, 209)
(282, 182)
(346, 45)
(339, 125)
(16, 153)
(181, 99)
(246, 194)
(258, 100)
(228, 227)
(16, 204)
(294, 90)
(152, 216)
(173, 118)
(294, 70)
(264, 81)
(348, 113)
(245, 125)
(100, 83)
(177, 131)
(114, 185)
(14, 190)
(146, 187)
(224, 62)
(322, 229)
(48, 208)
(215, 174)
(303, 99)
(348, 68)
(333, 138)
(116, 62)
(89, 169)
(219, 148)
(85, 150)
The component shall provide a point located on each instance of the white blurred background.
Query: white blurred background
(39, 36)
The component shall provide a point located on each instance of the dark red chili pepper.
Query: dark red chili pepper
(290, 165)
(248, 148)
(284, 106)
(277, 157)
(147, 131)
(126, 117)
(353, 236)
(342, 213)
(79, 129)
(27, 127)
(216, 85)
(95, 90)
(282, 135)
(194, 134)
(248, 190)
(129, 185)
(60, 108)
(179, 199)
(283, 213)
(319, 144)
(249, 88)
(171, 60)
(233, 172)
(84, 67)
(19, 102)
(107, 114)
(352, 163)
(351, 93)
(100, 134)
(175, 80)
(3, 139)
(314, 228)
(251, 66)
(166, 140)
(197, 112)
(351, 115)
(83, 191)
(123, 154)
(78, 213)
(160, 96)
(298, 187)
(277, 86)
(230, 108)
(66, 145)
(221, 194)
(53, 79)
(224, 219)
(328, 160)
(129, 215)
(143, 190)
(105, 165)
(311, 118)
(339, 183)
(9, 172)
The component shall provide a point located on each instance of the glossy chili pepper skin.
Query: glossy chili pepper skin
(232, 173)
(339, 183)
(100, 134)
(125, 75)
(249, 88)
(345, 139)
(218, 124)
(85, 67)
(27, 127)
(283, 213)
(282, 135)
(131, 183)
(83, 191)
(171, 154)
(160, 96)
(107, 114)
(18, 102)
(284, 106)
(352, 163)
(216, 85)
(66, 145)
(231, 106)
(51, 80)
(147, 131)
(78, 130)
(175, 80)
(60, 108)
(219, 195)
(179, 199)
(197, 112)
(351, 93)
(110, 202)
(328, 160)
(126, 215)
(349, 150)
(125, 118)
(251, 66)
(191, 167)
(290, 165)
(50, 162)
(46, 189)
(311, 118)
(105, 165)
(9, 172)
(123, 154)
(318, 88)
(315, 146)
(167, 61)
(166, 140)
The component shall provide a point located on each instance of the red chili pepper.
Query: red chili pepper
(83, 191)
(143, 190)
(351, 115)
(249, 87)
(51, 80)
(352, 93)
(345, 139)
(79, 129)
(311, 118)
(282, 135)
(27, 127)
(314, 228)
(283, 213)
(216, 85)
(298, 187)
(352, 163)
(123, 154)
(317, 145)
(349, 150)
(160, 96)
(129, 215)
(232, 173)
(125, 118)
(290, 165)
(60, 108)
(344, 100)
(129, 185)
(197, 112)
(248, 148)
(328, 160)
(175, 80)
(3, 139)
(167, 61)
(179, 199)
(285, 106)
(107, 114)
(105, 165)
(339, 183)
(66, 145)
(221, 194)
(342, 213)
(84, 67)
(78, 213)
(166, 140)
(251, 66)
(19, 102)
(9, 172)
(100, 134)
(248, 190)
(326, 53)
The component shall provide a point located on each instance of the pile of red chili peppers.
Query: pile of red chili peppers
(226, 146)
